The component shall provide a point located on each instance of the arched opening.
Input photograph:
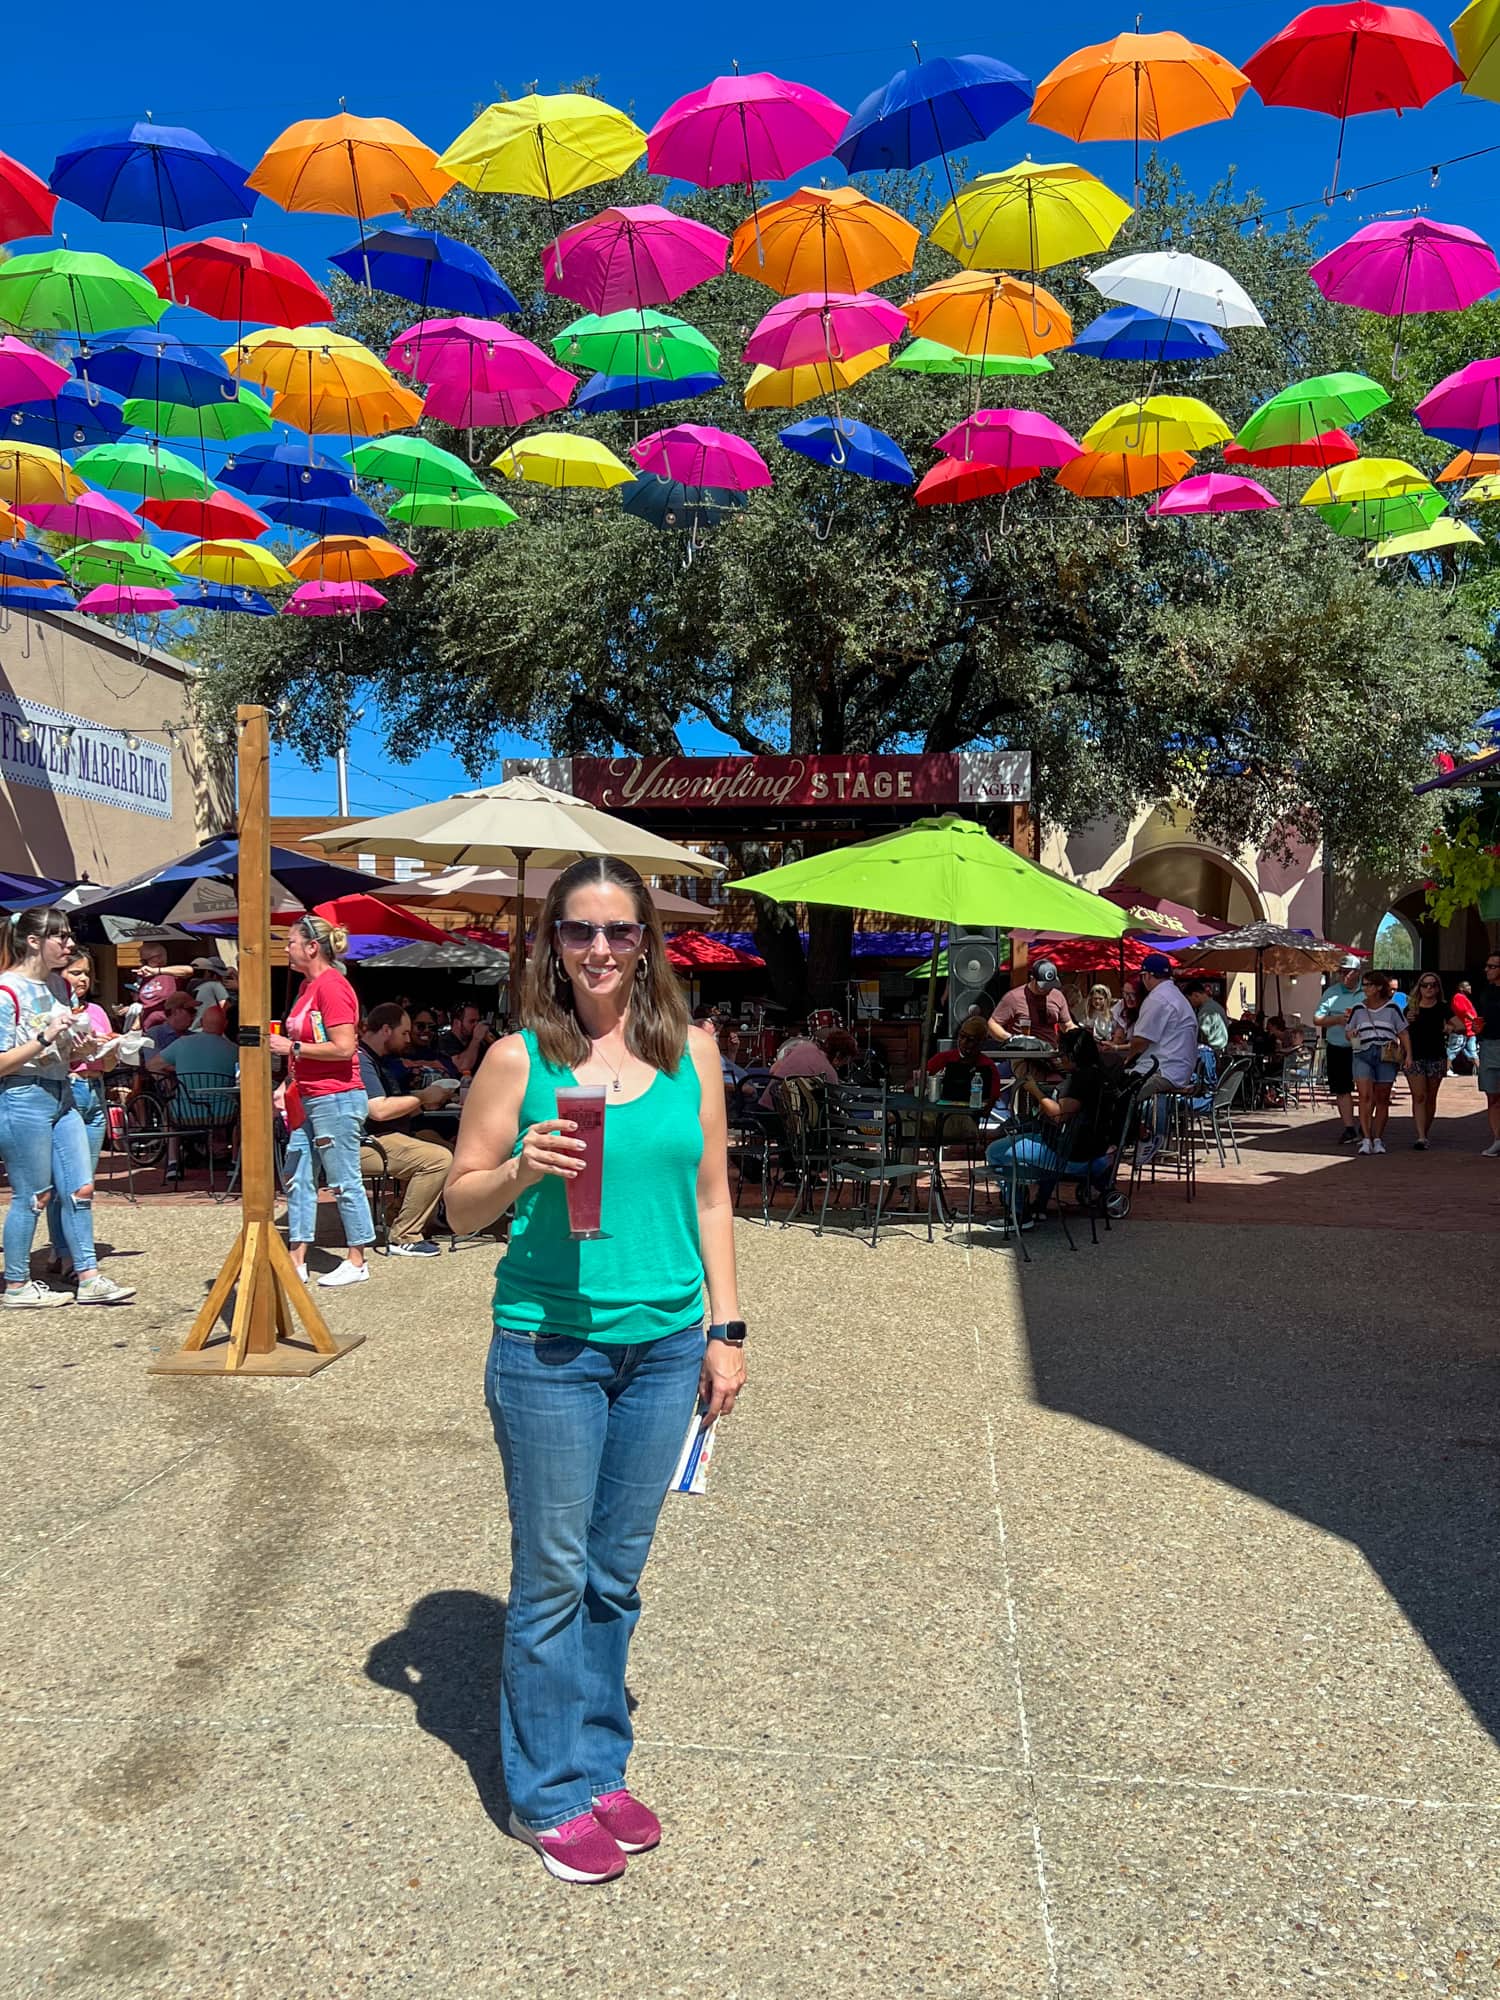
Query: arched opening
(1202, 880)
(1398, 944)
(1454, 948)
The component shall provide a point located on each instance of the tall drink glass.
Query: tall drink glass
(583, 1103)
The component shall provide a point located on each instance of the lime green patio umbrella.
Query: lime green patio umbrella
(143, 469)
(135, 563)
(927, 357)
(453, 511)
(649, 343)
(414, 463)
(75, 291)
(244, 415)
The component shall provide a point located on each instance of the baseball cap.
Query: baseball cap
(1044, 972)
(1157, 964)
(1349, 963)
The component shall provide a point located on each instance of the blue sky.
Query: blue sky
(240, 81)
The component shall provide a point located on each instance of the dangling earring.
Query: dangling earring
(640, 969)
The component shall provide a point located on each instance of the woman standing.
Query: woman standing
(88, 1088)
(1429, 1021)
(1377, 1034)
(1098, 1013)
(326, 1101)
(42, 1138)
(598, 1354)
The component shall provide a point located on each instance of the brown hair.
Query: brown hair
(26, 924)
(657, 1024)
(388, 1014)
(81, 955)
(331, 939)
(1370, 977)
(1416, 990)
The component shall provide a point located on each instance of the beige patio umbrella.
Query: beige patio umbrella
(510, 825)
(487, 892)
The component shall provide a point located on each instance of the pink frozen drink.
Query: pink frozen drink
(583, 1103)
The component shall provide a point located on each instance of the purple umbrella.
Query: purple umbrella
(1013, 438)
(1464, 408)
(698, 455)
(1214, 493)
(823, 326)
(1416, 266)
(332, 600)
(628, 258)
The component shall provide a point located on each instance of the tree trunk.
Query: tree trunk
(829, 956)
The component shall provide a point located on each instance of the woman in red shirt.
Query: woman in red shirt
(326, 1101)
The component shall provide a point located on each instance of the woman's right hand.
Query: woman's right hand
(546, 1149)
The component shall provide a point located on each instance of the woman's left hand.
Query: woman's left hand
(722, 1378)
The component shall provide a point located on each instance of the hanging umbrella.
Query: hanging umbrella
(351, 559)
(738, 130)
(1176, 286)
(606, 394)
(411, 463)
(26, 202)
(320, 598)
(72, 420)
(927, 357)
(1138, 87)
(952, 481)
(825, 240)
(453, 512)
(1030, 217)
(11, 530)
(1410, 266)
(243, 415)
(323, 381)
(233, 563)
(22, 562)
(545, 147)
(974, 313)
(481, 372)
(74, 291)
(1306, 410)
(31, 472)
(437, 273)
(1476, 36)
(147, 470)
(109, 600)
(1213, 493)
(1125, 333)
(667, 503)
(475, 349)
(1013, 439)
(1373, 520)
(636, 343)
(221, 517)
(276, 471)
(831, 326)
(1334, 447)
(27, 375)
(462, 408)
(1117, 475)
(1424, 541)
(349, 516)
(1484, 491)
(238, 281)
(1158, 424)
(92, 517)
(632, 257)
(559, 459)
(29, 598)
(221, 597)
(118, 562)
(848, 446)
(1464, 408)
(1351, 58)
(1366, 479)
(349, 166)
(789, 388)
(164, 175)
(699, 455)
(1474, 465)
(158, 367)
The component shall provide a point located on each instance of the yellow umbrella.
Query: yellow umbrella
(11, 530)
(1476, 36)
(324, 381)
(1159, 424)
(544, 146)
(1484, 492)
(824, 240)
(1366, 479)
(558, 459)
(34, 475)
(974, 313)
(1443, 534)
(787, 388)
(239, 564)
(1030, 217)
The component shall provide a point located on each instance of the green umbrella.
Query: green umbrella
(453, 511)
(1305, 410)
(1373, 520)
(145, 469)
(653, 344)
(215, 423)
(75, 291)
(926, 357)
(119, 562)
(412, 463)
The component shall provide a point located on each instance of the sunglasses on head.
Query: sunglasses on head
(574, 935)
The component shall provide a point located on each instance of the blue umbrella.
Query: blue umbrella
(667, 503)
(225, 597)
(154, 897)
(161, 174)
(158, 367)
(348, 515)
(1126, 333)
(286, 472)
(603, 393)
(20, 892)
(922, 113)
(849, 447)
(75, 421)
(438, 272)
(32, 597)
(26, 562)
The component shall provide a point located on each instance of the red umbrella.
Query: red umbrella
(954, 479)
(1094, 954)
(221, 517)
(26, 202)
(1332, 448)
(239, 282)
(695, 951)
(364, 916)
(1352, 58)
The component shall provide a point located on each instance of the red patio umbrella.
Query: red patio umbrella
(695, 951)
(366, 916)
(26, 202)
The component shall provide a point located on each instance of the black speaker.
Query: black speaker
(975, 974)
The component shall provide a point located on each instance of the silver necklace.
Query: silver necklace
(615, 1073)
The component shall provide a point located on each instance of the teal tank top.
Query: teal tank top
(643, 1278)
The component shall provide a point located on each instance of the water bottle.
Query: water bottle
(976, 1091)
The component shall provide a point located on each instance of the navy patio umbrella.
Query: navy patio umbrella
(200, 888)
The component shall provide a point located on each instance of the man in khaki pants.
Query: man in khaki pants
(418, 1160)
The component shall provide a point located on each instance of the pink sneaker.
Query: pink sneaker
(632, 1826)
(579, 1850)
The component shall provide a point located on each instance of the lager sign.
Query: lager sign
(945, 779)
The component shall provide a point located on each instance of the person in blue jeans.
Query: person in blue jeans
(88, 1092)
(1080, 1095)
(42, 1138)
(598, 1356)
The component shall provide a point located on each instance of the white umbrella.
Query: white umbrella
(1173, 285)
(488, 891)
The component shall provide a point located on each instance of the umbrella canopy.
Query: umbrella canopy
(830, 326)
(976, 314)
(349, 166)
(322, 599)
(240, 565)
(33, 472)
(412, 463)
(108, 600)
(825, 240)
(91, 517)
(1174, 285)
(72, 420)
(1010, 438)
(1468, 465)
(478, 350)
(1264, 947)
(285, 359)
(695, 952)
(668, 504)
(544, 146)
(453, 512)
(200, 887)
(603, 394)
(147, 470)
(20, 892)
(238, 281)
(489, 891)
(1213, 493)
(1158, 424)
(74, 291)
(133, 563)
(632, 257)
(351, 559)
(480, 963)
(928, 357)
(243, 415)
(1464, 408)
(560, 459)
(158, 367)
(1408, 266)
(1366, 479)
(1306, 410)
(349, 516)
(789, 388)
(11, 530)
(350, 403)
(636, 343)
(25, 562)
(848, 446)
(1374, 520)
(1126, 333)
(1334, 447)
(438, 273)
(161, 174)
(222, 597)
(26, 374)
(26, 202)
(29, 597)
(1030, 217)
(502, 379)
(1476, 36)
(954, 480)
(1138, 87)
(1484, 492)
(274, 471)
(1424, 541)
(925, 113)
(741, 129)
(1117, 475)
(699, 455)
(1159, 917)
(220, 517)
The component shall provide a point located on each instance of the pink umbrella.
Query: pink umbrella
(113, 600)
(741, 129)
(92, 517)
(632, 257)
(454, 402)
(27, 375)
(481, 374)
(823, 326)
(1416, 266)
(332, 600)
(698, 455)
(1012, 438)
(1214, 493)
(1464, 408)
(437, 347)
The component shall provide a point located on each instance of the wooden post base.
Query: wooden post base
(261, 1339)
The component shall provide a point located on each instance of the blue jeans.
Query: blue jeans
(1030, 1150)
(331, 1138)
(589, 1435)
(88, 1097)
(45, 1148)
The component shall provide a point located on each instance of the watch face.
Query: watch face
(734, 1332)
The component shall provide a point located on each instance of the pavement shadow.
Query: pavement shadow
(446, 1659)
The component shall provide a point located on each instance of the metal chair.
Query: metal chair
(1103, 1196)
(199, 1105)
(1015, 1175)
(861, 1144)
(1213, 1115)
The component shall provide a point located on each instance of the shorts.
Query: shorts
(1489, 1067)
(1429, 1066)
(1368, 1067)
(1340, 1070)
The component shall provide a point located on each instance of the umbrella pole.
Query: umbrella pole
(1344, 114)
(931, 1015)
(518, 931)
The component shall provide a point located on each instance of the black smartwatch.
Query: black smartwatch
(730, 1330)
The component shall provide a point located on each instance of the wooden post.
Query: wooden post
(258, 1272)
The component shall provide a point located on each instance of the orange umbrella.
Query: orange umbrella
(35, 475)
(350, 559)
(1138, 87)
(980, 313)
(350, 166)
(825, 240)
(1468, 465)
(1117, 475)
(324, 381)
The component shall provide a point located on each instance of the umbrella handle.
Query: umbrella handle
(841, 455)
(821, 534)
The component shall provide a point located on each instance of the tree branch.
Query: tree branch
(736, 731)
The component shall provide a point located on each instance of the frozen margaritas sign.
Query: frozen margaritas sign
(944, 779)
(52, 751)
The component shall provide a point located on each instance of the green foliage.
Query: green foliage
(1462, 868)
(1254, 666)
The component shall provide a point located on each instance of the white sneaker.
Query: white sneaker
(1492, 1152)
(1378, 1147)
(1365, 1146)
(102, 1291)
(33, 1293)
(344, 1274)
